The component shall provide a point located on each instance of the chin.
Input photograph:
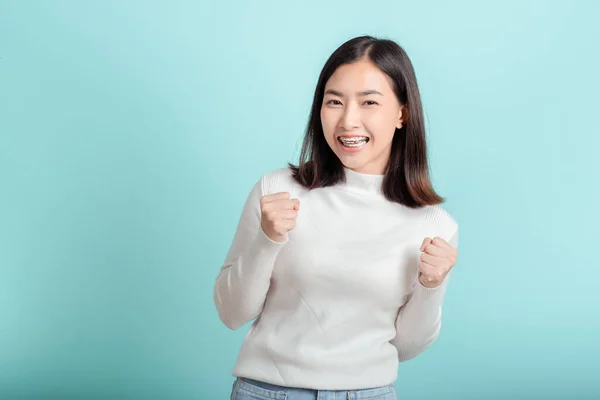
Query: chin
(352, 163)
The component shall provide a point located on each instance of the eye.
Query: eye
(337, 102)
(370, 102)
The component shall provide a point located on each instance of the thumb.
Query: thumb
(425, 243)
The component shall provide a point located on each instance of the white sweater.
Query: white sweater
(339, 303)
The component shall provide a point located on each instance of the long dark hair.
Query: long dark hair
(406, 179)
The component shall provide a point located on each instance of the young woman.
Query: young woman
(343, 259)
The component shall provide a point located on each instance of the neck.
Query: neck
(361, 182)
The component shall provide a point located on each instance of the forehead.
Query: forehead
(360, 75)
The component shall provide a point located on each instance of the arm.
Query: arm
(419, 319)
(244, 279)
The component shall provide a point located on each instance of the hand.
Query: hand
(278, 215)
(437, 259)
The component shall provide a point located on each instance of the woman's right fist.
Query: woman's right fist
(278, 215)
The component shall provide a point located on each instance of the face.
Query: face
(360, 113)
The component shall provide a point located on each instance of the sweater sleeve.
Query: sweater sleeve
(244, 279)
(419, 319)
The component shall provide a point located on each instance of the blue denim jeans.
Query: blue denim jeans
(248, 389)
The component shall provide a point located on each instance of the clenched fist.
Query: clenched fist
(437, 259)
(278, 215)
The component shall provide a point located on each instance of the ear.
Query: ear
(402, 117)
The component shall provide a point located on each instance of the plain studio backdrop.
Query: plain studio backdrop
(131, 133)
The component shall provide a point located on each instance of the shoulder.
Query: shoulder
(439, 222)
(278, 180)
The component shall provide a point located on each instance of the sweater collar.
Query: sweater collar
(357, 181)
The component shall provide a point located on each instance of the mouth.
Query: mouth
(353, 142)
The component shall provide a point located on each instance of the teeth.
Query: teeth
(353, 141)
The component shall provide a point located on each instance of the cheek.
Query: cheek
(381, 127)
(328, 122)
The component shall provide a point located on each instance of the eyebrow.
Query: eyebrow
(363, 93)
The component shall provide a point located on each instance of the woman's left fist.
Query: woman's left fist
(437, 258)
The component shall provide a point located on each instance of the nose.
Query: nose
(350, 119)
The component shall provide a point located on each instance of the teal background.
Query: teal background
(131, 133)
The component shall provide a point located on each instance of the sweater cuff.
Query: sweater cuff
(434, 296)
(267, 242)
(262, 254)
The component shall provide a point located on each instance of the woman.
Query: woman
(343, 259)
